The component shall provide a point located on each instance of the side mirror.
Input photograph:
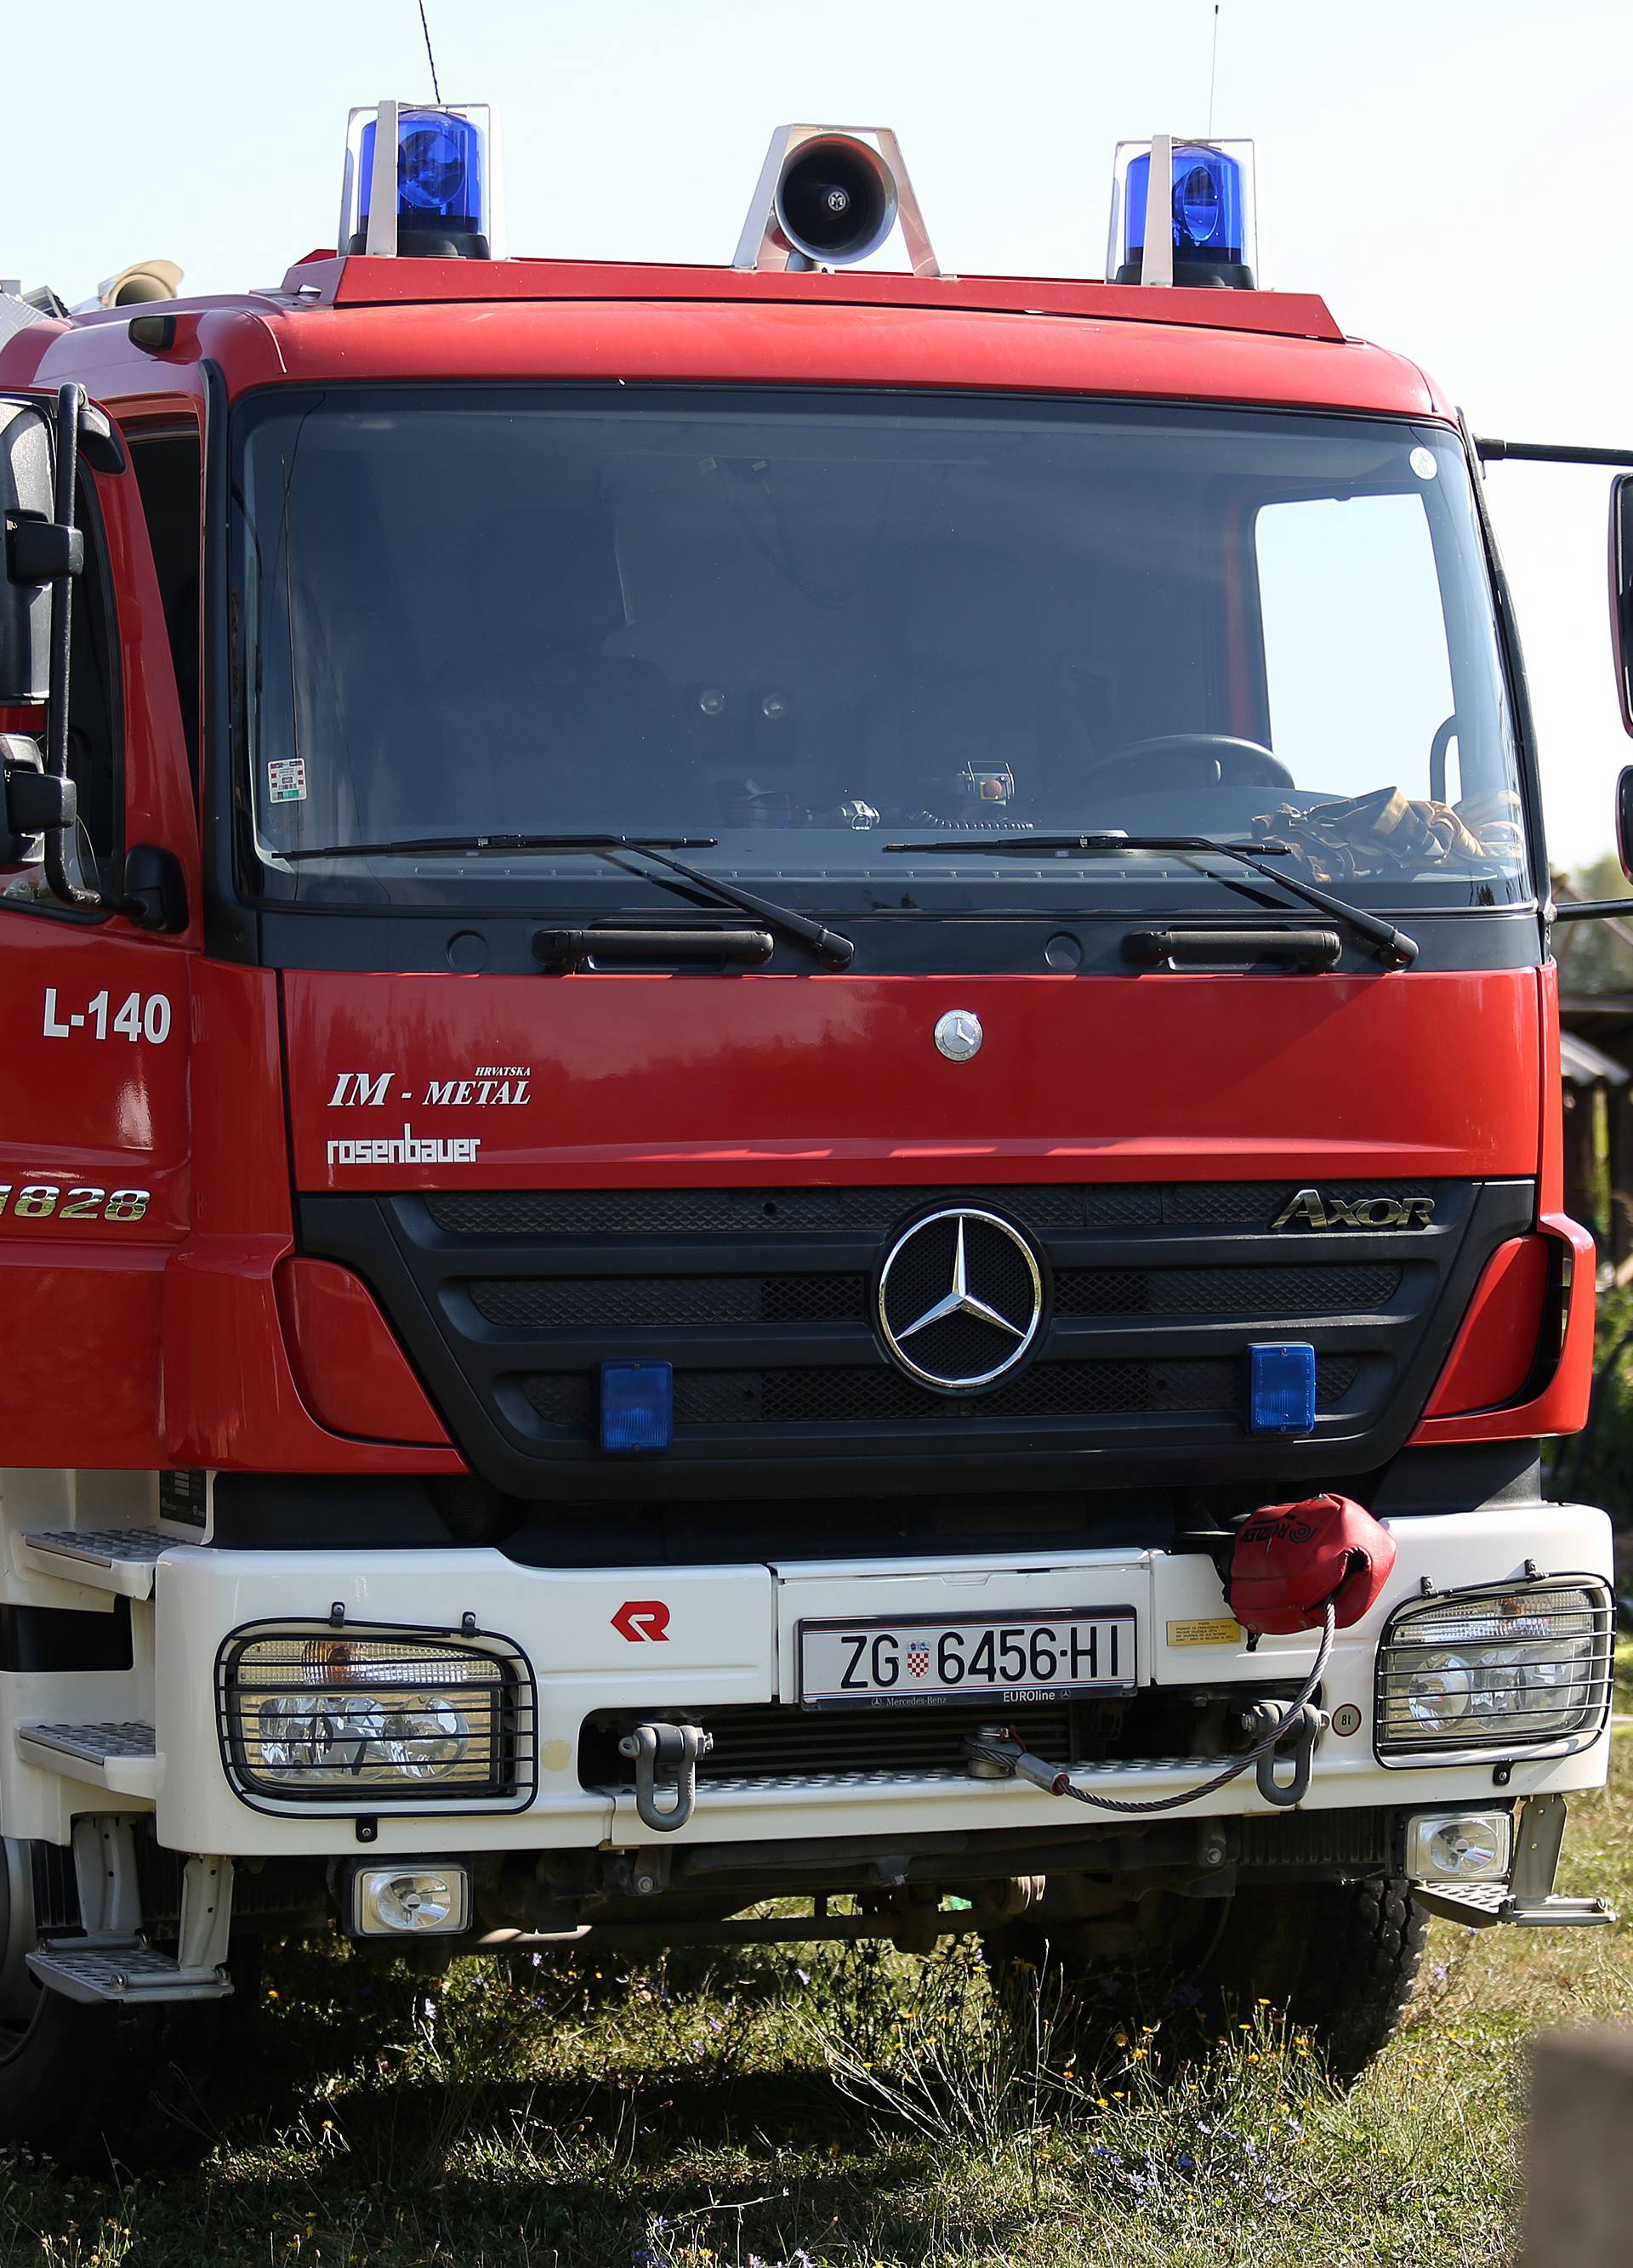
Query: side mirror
(1621, 602)
(1624, 820)
(28, 498)
(22, 778)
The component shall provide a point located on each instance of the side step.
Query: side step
(122, 1971)
(118, 1560)
(1481, 1906)
(112, 1961)
(123, 1758)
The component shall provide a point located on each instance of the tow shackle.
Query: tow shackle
(672, 1750)
(1296, 1743)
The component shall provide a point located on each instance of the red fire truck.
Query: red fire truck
(781, 1123)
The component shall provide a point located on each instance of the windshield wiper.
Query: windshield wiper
(1393, 948)
(829, 946)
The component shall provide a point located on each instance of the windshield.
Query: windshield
(795, 628)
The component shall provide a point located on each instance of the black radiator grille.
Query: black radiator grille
(872, 1212)
(782, 1212)
(790, 1744)
(630, 1302)
(682, 1302)
(841, 1396)
(781, 1740)
(764, 1302)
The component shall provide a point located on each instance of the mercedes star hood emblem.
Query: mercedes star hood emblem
(960, 1299)
(958, 1034)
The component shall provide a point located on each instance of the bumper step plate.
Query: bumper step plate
(1481, 1906)
(123, 1758)
(130, 1972)
(118, 1560)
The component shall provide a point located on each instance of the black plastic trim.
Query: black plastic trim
(47, 1638)
(417, 1271)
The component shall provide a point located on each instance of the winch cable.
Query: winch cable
(1061, 1783)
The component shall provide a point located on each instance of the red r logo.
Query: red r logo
(642, 1618)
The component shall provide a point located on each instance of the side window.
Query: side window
(169, 473)
(1357, 675)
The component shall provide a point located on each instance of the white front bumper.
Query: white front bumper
(731, 1638)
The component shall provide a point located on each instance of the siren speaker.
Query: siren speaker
(143, 280)
(835, 201)
(829, 196)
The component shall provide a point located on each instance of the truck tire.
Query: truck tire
(93, 2085)
(1337, 1960)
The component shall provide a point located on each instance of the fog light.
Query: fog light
(1458, 1847)
(410, 1901)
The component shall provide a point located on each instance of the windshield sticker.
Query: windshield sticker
(287, 779)
(1422, 463)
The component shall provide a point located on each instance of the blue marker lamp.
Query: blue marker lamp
(1281, 1387)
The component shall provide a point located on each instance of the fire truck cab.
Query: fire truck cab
(737, 1002)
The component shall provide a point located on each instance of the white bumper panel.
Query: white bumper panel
(730, 1637)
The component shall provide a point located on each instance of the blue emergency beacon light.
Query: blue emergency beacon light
(422, 181)
(1183, 213)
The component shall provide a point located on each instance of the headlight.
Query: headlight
(354, 1718)
(1522, 1667)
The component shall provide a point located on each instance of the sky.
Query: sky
(1449, 176)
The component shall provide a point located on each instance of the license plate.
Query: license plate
(942, 1658)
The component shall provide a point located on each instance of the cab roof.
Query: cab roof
(335, 319)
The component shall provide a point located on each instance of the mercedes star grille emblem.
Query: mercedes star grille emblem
(958, 1034)
(960, 1299)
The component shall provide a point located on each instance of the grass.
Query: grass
(843, 2107)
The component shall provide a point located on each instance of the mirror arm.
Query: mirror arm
(1593, 910)
(1492, 451)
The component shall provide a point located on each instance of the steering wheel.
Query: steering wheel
(1240, 763)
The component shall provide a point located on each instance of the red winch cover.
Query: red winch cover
(1291, 1561)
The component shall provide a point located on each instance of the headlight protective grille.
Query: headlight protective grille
(365, 1717)
(1524, 1667)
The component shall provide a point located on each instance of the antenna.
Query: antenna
(437, 91)
(1213, 67)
